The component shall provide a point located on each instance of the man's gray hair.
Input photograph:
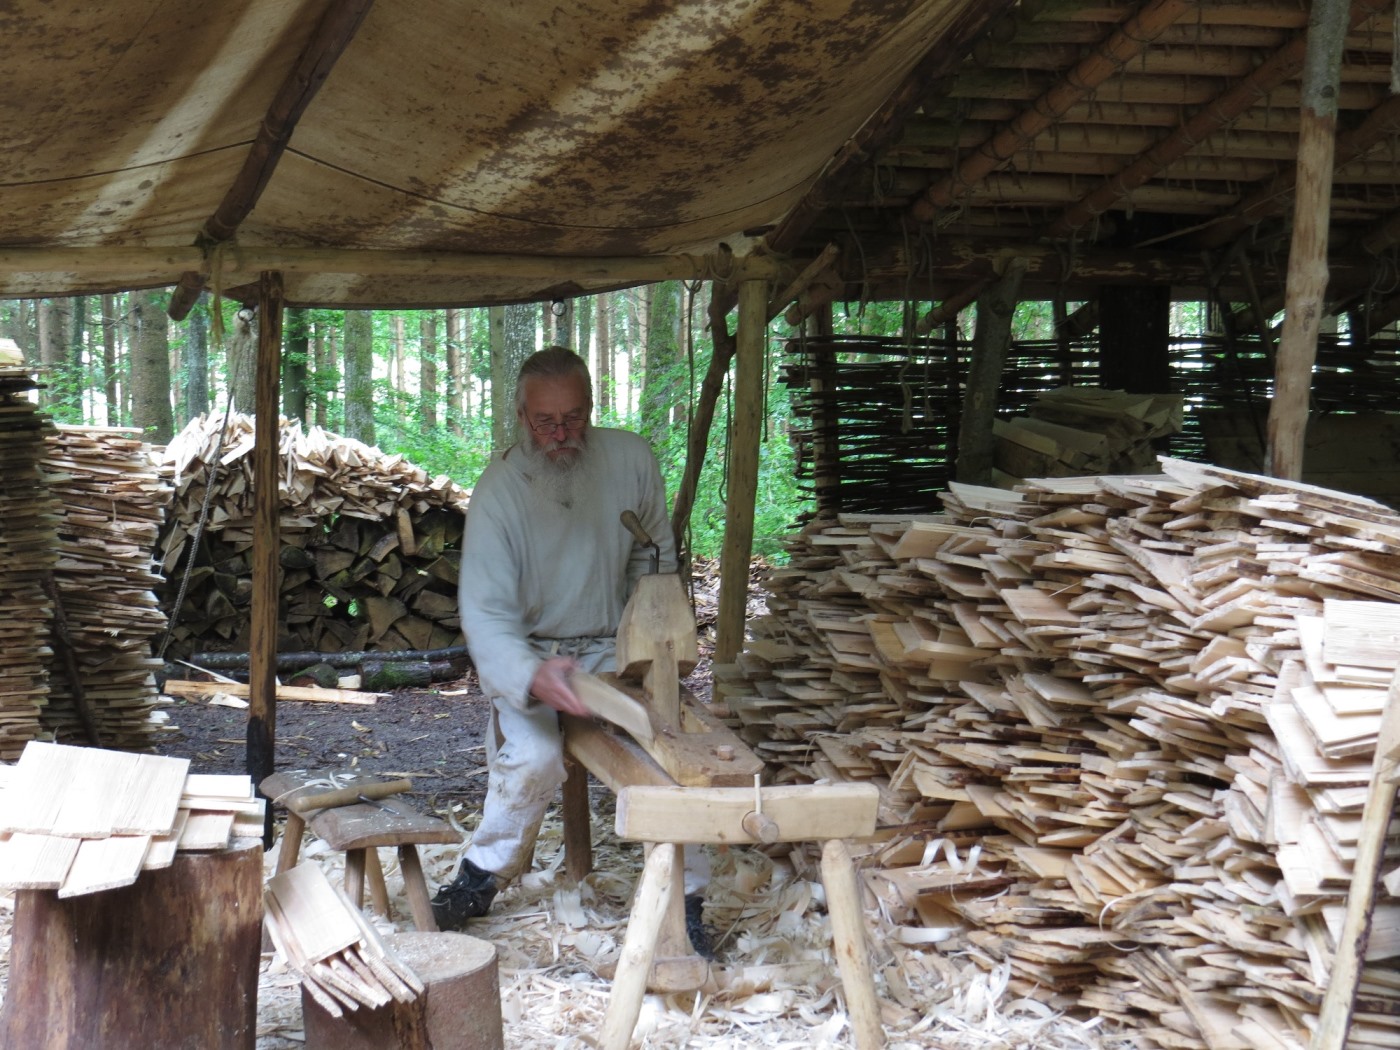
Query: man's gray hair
(553, 362)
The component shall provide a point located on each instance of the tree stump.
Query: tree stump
(169, 961)
(460, 1008)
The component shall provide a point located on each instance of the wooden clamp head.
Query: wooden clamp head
(656, 642)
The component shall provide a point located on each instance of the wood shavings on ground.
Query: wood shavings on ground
(774, 983)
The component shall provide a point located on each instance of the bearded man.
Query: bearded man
(547, 568)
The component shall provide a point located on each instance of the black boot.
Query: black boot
(468, 896)
(696, 929)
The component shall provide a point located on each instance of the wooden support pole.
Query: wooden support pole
(848, 945)
(262, 648)
(578, 820)
(654, 892)
(710, 389)
(747, 429)
(1307, 255)
(1340, 997)
(989, 346)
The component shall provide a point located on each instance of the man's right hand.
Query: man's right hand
(551, 686)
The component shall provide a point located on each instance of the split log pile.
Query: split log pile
(28, 520)
(1073, 431)
(370, 544)
(107, 618)
(1122, 728)
(80, 820)
(343, 962)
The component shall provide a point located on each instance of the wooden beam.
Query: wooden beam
(1129, 41)
(989, 345)
(1284, 64)
(752, 338)
(237, 260)
(692, 815)
(328, 42)
(262, 648)
(1307, 255)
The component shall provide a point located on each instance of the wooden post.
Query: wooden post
(826, 417)
(743, 470)
(848, 945)
(578, 824)
(1340, 998)
(1307, 254)
(654, 892)
(262, 648)
(989, 345)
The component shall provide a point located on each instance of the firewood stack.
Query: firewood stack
(1123, 728)
(370, 544)
(1077, 431)
(109, 619)
(28, 517)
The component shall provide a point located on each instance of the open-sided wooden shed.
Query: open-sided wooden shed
(367, 154)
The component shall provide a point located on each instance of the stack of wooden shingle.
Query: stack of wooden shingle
(1123, 726)
(113, 505)
(80, 820)
(28, 516)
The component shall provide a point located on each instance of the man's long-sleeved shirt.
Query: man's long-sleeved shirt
(534, 571)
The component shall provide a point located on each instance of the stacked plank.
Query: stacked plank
(28, 516)
(369, 543)
(1073, 431)
(343, 962)
(81, 820)
(1122, 731)
(108, 620)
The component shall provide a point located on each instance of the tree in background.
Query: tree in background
(662, 373)
(517, 342)
(150, 369)
(427, 368)
(197, 360)
(359, 376)
(296, 355)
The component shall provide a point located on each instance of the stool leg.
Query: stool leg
(355, 876)
(378, 892)
(654, 891)
(291, 842)
(848, 945)
(578, 832)
(415, 888)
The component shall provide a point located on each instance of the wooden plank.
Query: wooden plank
(36, 862)
(693, 815)
(284, 692)
(206, 830)
(105, 864)
(612, 704)
(316, 914)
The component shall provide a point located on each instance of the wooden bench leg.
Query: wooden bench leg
(676, 967)
(578, 831)
(848, 945)
(654, 892)
(355, 876)
(378, 892)
(291, 842)
(415, 888)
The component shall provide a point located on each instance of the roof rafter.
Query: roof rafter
(1126, 42)
(328, 42)
(1284, 64)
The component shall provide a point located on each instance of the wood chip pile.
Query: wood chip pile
(28, 521)
(1123, 728)
(369, 543)
(109, 619)
(82, 819)
(1074, 431)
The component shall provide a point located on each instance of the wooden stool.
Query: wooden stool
(358, 831)
(669, 816)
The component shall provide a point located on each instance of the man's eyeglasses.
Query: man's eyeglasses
(573, 423)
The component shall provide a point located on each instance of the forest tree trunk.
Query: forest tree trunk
(359, 376)
(197, 361)
(297, 338)
(150, 369)
(428, 368)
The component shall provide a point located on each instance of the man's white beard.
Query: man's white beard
(561, 480)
